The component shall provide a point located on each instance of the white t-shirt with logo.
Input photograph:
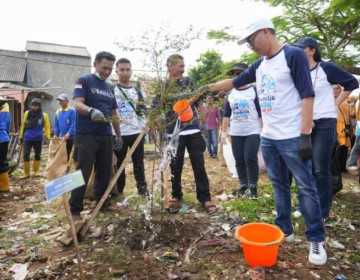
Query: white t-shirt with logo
(324, 75)
(130, 122)
(241, 108)
(281, 82)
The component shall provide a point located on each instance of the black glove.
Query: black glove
(305, 147)
(21, 140)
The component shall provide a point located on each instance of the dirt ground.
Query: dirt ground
(131, 244)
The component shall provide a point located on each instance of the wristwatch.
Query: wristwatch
(89, 110)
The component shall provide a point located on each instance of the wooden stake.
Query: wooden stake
(74, 235)
(166, 202)
(113, 182)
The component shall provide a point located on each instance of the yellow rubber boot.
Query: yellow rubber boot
(4, 182)
(26, 165)
(36, 168)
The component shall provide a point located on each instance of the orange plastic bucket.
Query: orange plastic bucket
(183, 109)
(260, 243)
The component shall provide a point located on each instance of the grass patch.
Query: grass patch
(254, 210)
(34, 241)
(354, 257)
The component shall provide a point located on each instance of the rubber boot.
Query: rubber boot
(26, 170)
(36, 168)
(4, 182)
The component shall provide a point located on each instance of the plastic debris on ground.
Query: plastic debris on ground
(20, 270)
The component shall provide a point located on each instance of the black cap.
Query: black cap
(62, 97)
(236, 67)
(307, 42)
(36, 102)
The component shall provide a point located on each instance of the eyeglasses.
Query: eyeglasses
(250, 39)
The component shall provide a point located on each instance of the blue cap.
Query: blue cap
(307, 42)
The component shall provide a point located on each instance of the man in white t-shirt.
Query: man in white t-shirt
(131, 110)
(286, 99)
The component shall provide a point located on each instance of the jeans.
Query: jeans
(245, 150)
(97, 151)
(323, 138)
(212, 141)
(137, 161)
(28, 145)
(195, 145)
(355, 151)
(281, 156)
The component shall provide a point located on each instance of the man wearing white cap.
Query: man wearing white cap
(286, 100)
(65, 118)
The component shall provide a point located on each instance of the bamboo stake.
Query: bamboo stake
(113, 182)
(70, 220)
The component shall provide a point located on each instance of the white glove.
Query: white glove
(223, 138)
(96, 115)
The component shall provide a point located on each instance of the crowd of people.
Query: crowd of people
(290, 103)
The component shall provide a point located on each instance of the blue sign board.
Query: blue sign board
(58, 187)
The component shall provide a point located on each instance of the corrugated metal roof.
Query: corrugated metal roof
(56, 48)
(12, 66)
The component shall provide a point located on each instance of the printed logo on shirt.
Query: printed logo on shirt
(266, 93)
(78, 85)
(102, 92)
(241, 110)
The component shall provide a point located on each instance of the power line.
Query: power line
(62, 63)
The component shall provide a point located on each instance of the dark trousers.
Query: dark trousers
(4, 165)
(245, 150)
(137, 160)
(69, 145)
(343, 153)
(28, 145)
(92, 150)
(196, 146)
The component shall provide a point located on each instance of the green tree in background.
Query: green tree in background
(334, 23)
(210, 68)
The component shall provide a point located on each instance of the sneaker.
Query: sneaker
(289, 238)
(297, 214)
(353, 168)
(317, 254)
(242, 191)
(253, 193)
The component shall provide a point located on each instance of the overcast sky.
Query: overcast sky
(98, 24)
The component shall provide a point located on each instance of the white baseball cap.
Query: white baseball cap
(255, 26)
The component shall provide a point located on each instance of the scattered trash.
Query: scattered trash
(184, 209)
(317, 276)
(351, 227)
(256, 273)
(20, 271)
(169, 257)
(15, 250)
(117, 272)
(95, 232)
(336, 244)
(226, 227)
(212, 242)
(341, 277)
(223, 197)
